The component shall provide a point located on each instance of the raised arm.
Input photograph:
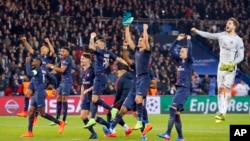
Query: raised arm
(240, 51)
(174, 45)
(213, 36)
(51, 48)
(145, 36)
(125, 53)
(29, 72)
(189, 45)
(92, 42)
(118, 59)
(27, 45)
(128, 38)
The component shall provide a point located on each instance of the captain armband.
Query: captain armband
(34, 72)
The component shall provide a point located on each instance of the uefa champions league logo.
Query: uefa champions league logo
(153, 105)
(11, 106)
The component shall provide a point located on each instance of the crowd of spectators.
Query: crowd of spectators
(70, 22)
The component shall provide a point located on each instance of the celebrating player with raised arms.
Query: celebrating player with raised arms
(102, 61)
(231, 54)
(183, 84)
(46, 54)
(142, 57)
(38, 100)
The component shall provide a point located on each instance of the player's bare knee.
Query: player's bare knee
(220, 90)
(83, 116)
(123, 111)
(59, 98)
(138, 99)
(64, 98)
(28, 92)
(178, 112)
(227, 89)
(42, 113)
(31, 112)
(94, 98)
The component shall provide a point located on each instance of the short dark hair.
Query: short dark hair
(235, 22)
(66, 48)
(40, 60)
(100, 38)
(185, 47)
(87, 55)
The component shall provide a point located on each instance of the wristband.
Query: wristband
(124, 47)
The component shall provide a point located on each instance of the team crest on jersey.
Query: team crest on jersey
(231, 42)
(180, 68)
(87, 74)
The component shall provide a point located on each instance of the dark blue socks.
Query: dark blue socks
(65, 110)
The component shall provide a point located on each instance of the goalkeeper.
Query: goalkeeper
(231, 53)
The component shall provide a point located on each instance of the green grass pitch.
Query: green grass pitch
(196, 127)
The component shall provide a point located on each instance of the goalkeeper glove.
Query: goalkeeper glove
(230, 66)
(227, 67)
(223, 67)
(127, 19)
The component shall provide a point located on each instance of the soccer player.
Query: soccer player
(129, 103)
(102, 62)
(86, 93)
(65, 84)
(47, 53)
(87, 76)
(38, 100)
(122, 86)
(231, 54)
(153, 84)
(142, 57)
(145, 121)
(183, 83)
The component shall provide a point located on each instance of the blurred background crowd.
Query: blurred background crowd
(70, 22)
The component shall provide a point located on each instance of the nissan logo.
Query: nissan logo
(11, 106)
